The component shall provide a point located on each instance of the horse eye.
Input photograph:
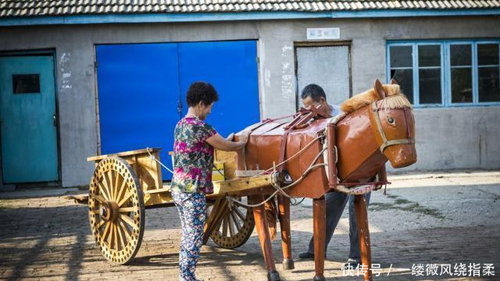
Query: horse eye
(390, 120)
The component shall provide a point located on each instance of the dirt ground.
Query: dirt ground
(426, 223)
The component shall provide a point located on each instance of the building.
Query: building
(112, 74)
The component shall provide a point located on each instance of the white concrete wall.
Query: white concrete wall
(457, 138)
(446, 138)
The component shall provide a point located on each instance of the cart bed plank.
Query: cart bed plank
(123, 154)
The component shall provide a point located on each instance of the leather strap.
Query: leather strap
(385, 142)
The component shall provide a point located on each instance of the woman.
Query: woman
(194, 143)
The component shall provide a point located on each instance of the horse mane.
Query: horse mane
(395, 99)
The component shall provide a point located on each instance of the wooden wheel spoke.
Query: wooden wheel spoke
(101, 223)
(100, 198)
(120, 187)
(217, 226)
(125, 229)
(106, 232)
(104, 191)
(128, 209)
(111, 236)
(125, 199)
(122, 190)
(239, 213)
(114, 185)
(107, 180)
(224, 225)
(236, 222)
(96, 212)
(129, 221)
(120, 235)
(117, 183)
(107, 185)
(231, 225)
(115, 230)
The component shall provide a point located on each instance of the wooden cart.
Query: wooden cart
(125, 184)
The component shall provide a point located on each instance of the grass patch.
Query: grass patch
(402, 201)
(381, 206)
(406, 205)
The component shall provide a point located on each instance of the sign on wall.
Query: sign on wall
(323, 33)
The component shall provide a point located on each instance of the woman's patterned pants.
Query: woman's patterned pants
(192, 209)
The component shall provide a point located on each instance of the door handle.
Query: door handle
(55, 120)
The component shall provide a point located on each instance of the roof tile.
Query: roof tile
(18, 8)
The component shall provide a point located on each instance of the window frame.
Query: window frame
(446, 93)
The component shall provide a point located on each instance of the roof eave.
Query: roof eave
(241, 16)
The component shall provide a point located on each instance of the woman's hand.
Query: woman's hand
(244, 137)
(226, 144)
(230, 137)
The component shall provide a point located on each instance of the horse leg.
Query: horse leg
(319, 214)
(259, 214)
(286, 236)
(364, 235)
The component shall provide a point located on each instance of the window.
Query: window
(488, 69)
(26, 83)
(446, 73)
(461, 73)
(429, 74)
(402, 68)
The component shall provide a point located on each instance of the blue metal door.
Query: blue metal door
(142, 89)
(138, 97)
(27, 112)
(231, 67)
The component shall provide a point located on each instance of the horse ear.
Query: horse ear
(380, 89)
(394, 82)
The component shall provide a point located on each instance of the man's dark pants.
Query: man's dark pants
(335, 204)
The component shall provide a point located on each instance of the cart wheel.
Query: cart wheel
(235, 227)
(116, 210)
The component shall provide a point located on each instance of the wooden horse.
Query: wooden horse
(315, 154)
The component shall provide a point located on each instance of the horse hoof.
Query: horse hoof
(273, 276)
(319, 278)
(288, 264)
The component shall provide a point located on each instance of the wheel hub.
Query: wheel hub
(109, 211)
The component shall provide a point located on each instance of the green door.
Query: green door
(27, 117)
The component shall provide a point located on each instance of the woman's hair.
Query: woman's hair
(201, 92)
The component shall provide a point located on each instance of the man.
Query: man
(313, 95)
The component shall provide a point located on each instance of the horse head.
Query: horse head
(393, 123)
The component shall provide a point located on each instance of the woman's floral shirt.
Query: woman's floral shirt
(193, 156)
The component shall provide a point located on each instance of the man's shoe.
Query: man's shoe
(306, 256)
(352, 263)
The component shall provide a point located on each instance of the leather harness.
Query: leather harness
(385, 142)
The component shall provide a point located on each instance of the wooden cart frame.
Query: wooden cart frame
(125, 184)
